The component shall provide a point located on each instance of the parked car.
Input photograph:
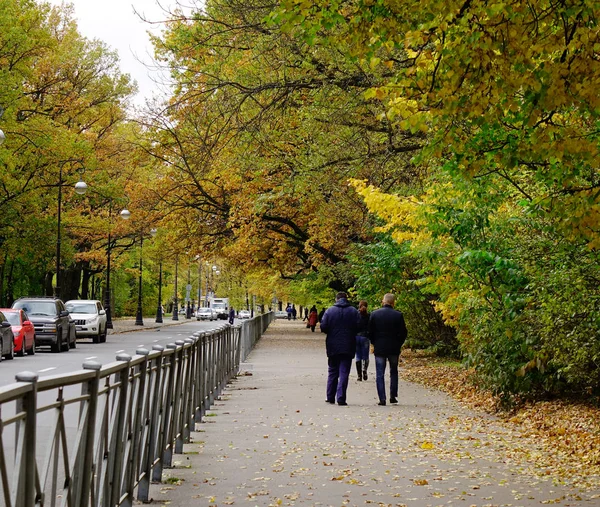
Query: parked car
(51, 321)
(205, 313)
(7, 339)
(23, 331)
(89, 317)
(281, 314)
(244, 314)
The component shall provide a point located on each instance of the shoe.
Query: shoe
(330, 401)
(393, 400)
(359, 379)
(342, 403)
(382, 403)
(365, 376)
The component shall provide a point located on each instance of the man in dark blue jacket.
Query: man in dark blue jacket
(340, 322)
(387, 332)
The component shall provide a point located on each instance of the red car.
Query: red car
(23, 330)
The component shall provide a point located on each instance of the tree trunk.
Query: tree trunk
(70, 281)
(2, 269)
(10, 296)
(85, 283)
(48, 283)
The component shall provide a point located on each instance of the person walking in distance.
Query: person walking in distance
(231, 315)
(387, 332)
(313, 317)
(340, 323)
(362, 342)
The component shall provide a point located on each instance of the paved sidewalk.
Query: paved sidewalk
(127, 325)
(272, 440)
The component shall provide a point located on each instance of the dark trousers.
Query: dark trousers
(338, 372)
(380, 363)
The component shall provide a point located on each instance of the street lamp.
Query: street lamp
(124, 214)
(188, 294)
(159, 312)
(80, 188)
(138, 315)
(198, 258)
(176, 302)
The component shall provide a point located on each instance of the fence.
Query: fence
(99, 437)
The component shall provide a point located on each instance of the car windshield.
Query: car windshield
(13, 318)
(82, 307)
(204, 310)
(47, 308)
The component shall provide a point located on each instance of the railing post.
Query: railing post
(168, 417)
(87, 468)
(118, 444)
(197, 372)
(178, 406)
(204, 373)
(153, 466)
(27, 469)
(190, 392)
(136, 428)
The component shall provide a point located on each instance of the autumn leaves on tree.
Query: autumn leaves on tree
(442, 150)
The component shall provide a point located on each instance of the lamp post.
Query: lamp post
(125, 214)
(175, 302)
(198, 258)
(80, 188)
(139, 321)
(159, 312)
(188, 294)
(207, 282)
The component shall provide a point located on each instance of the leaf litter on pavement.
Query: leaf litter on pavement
(403, 456)
(557, 438)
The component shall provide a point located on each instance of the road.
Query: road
(46, 363)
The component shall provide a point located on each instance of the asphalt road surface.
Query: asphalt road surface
(45, 363)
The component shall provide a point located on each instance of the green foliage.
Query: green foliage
(385, 266)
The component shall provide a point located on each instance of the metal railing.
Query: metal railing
(100, 436)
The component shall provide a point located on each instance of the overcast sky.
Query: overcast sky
(115, 23)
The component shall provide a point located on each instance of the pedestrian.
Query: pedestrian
(231, 314)
(289, 312)
(305, 313)
(294, 312)
(321, 313)
(387, 332)
(313, 316)
(340, 323)
(362, 342)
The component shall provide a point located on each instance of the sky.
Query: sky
(115, 23)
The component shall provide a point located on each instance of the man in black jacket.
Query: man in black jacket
(340, 322)
(387, 332)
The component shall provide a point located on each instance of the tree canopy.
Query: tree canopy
(445, 151)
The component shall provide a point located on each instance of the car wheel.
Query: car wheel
(21, 352)
(103, 337)
(73, 335)
(31, 351)
(11, 354)
(56, 347)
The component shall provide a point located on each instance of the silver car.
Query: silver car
(205, 313)
(89, 317)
